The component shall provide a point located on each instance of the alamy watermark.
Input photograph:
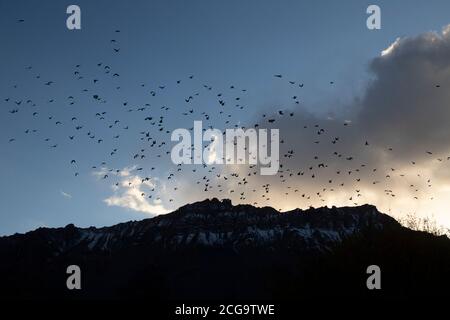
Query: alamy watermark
(373, 22)
(374, 280)
(242, 146)
(73, 21)
(73, 282)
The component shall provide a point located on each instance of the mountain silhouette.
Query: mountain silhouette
(214, 250)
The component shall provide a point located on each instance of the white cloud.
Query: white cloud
(132, 199)
(66, 195)
(132, 192)
(125, 172)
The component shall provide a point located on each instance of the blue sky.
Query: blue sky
(219, 42)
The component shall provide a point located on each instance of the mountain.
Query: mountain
(214, 250)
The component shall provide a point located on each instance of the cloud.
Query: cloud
(132, 199)
(66, 195)
(407, 102)
(134, 192)
(391, 48)
(125, 172)
(403, 114)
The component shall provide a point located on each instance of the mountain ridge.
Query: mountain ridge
(218, 218)
(214, 250)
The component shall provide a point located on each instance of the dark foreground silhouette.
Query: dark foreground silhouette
(213, 250)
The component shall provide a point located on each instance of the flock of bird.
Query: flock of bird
(150, 138)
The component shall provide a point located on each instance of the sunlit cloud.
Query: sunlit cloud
(132, 199)
(391, 48)
(134, 192)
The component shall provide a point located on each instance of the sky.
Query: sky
(391, 101)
